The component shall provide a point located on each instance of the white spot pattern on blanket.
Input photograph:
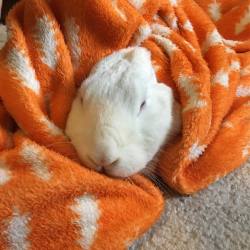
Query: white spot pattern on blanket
(5, 174)
(159, 29)
(174, 3)
(167, 44)
(22, 69)
(227, 124)
(214, 10)
(243, 22)
(213, 39)
(51, 127)
(156, 66)
(196, 151)
(221, 78)
(144, 31)
(172, 21)
(194, 100)
(86, 207)
(245, 71)
(188, 26)
(46, 37)
(230, 43)
(243, 91)
(17, 231)
(137, 3)
(119, 11)
(246, 151)
(72, 37)
(235, 65)
(229, 50)
(33, 156)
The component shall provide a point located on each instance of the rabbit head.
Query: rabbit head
(121, 115)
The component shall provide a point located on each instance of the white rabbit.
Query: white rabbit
(121, 115)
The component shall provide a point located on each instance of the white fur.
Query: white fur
(172, 21)
(243, 22)
(159, 29)
(51, 127)
(20, 64)
(235, 65)
(156, 17)
(230, 43)
(17, 231)
(108, 126)
(73, 41)
(214, 10)
(118, 10)
(245, 71)
(213, 39)
(46, 37)
(5, 174)
(190, 46)
(86, 207)
(144, 31)
(137, 3)
(243, 91)
(34, 157)
(227, 124)
(246, 151)
(196, 151)
(194, 99)
(229, 50)
(167, 44)
(221, 78)
(174, 3)
(188, 26)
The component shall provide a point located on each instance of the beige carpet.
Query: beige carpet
(215, 218)
(3, 35)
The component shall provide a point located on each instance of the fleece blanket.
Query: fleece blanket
(199, 48)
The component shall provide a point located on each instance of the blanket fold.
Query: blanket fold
(200, 48)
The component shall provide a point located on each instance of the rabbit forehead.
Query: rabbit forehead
(125, 75)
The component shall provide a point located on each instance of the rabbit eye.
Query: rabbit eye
(142, 105)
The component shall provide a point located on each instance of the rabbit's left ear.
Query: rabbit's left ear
(141, 65)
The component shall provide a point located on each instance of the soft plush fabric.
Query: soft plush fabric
(47, 199)
(208, 62)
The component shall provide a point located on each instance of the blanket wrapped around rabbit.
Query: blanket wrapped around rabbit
(199, 48)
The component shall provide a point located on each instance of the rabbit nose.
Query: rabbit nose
(110, 164)
(104, 162)
(107, 163)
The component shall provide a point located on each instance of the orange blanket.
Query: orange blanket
(49, 201)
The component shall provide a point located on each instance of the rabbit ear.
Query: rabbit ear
(110, 61)
(140, 65)
(135, 61)
(108, 70)
(128, 69)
